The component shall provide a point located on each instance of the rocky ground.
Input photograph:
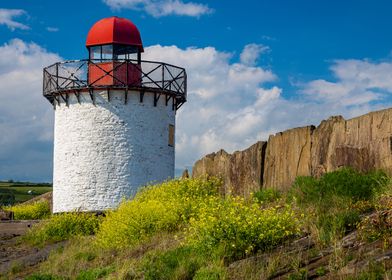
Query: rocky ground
(303, 260)
(20, 258)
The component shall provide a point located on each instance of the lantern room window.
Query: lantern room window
(125, 52)
(107, 52)
(114, 52)
(95, 52)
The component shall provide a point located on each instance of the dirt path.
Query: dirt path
(16, 256)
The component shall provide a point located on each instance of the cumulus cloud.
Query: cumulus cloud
(251, 53)
(25, 116)
(226, 101)
(229, 105)
(7, 18)
(159, 8)
(358, 82)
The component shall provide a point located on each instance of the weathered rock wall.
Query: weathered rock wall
(241, 171)
(364, 143)
(287, 156)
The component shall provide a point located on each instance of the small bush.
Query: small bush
(163, 207)
(336, 201)
(345, 182)
(34, 211)
(241, 228)
(63, 226)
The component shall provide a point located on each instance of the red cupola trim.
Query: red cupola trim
(114, 30)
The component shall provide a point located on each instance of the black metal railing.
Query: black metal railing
(76, 75)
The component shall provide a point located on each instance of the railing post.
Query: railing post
(185, 84)
(163, 75)
(57, 76)
(126, 73)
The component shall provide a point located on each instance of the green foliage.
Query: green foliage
(163, 207)
(34, 211)
(345, 182)
(242, 228)
(85, 256)
(63, 226)
(209, 220)
(267, 195)
(321, 271)
(335, 221)
(18, 192)
(96, 273)
(7, 197)
(184, 262)
(336, 201)
(215, 272)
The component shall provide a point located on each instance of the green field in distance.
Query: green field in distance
(17, 192)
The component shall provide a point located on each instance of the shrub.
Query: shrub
(241, 228)
(336, 201)
(34, 211)
(345, 182)
(63, 226)
(208, 219)
(267, 195)
(163, 207)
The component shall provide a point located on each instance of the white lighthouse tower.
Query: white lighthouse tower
(114, 119)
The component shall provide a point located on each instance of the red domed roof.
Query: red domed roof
(114, 30)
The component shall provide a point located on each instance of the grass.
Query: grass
(267, 195)
(63, 226)
(335, 202)
(184, 229)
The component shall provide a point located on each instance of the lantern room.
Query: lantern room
(110, 42)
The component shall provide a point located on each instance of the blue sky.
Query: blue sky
(255, 67)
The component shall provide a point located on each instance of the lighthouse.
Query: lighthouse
(114, 129)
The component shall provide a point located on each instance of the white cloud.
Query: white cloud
(229, 103)
(159, 8)
(7, 18)
(251, 53)
(358, 82)
(230, 107)
(26, 118)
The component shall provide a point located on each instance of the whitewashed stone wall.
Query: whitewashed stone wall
(107, 151)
